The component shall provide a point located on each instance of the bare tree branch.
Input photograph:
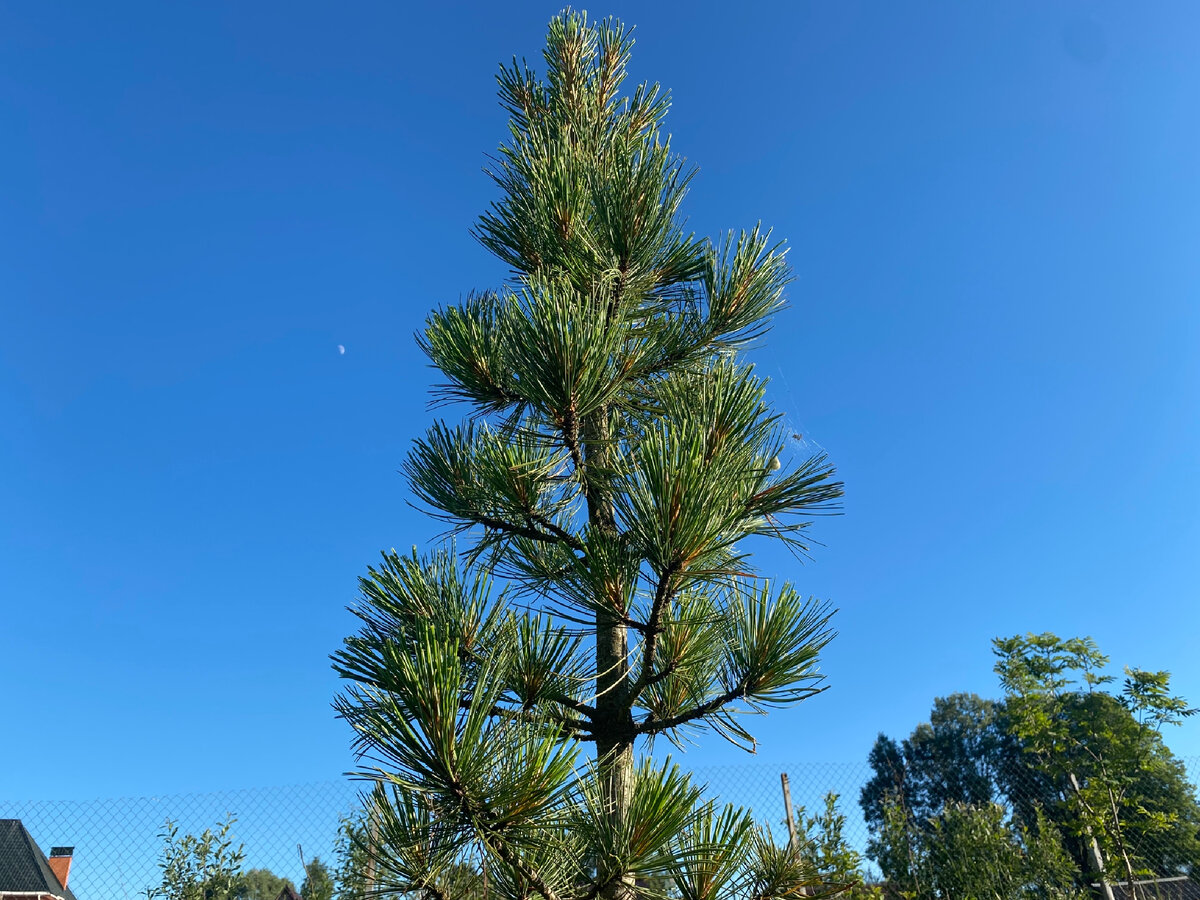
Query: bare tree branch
(552, 535)
(650, 725)
(579, 727)
(662, 596)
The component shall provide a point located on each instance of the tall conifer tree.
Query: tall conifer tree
(616, 456)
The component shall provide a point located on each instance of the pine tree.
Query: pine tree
(617, 456)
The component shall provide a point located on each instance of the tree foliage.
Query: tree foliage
(352, 865)
(958, 756)
(822, 840)
(1060, 751)
(1118, 783)
(318, 881)
(617, 455)
(262, 884)
(970, 851)
(199, 867)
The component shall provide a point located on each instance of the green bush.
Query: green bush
(974, 852)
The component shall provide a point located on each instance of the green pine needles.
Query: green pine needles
(617, 454)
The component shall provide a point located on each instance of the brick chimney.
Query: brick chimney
(60, 863)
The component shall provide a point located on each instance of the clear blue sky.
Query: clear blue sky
(995, 332)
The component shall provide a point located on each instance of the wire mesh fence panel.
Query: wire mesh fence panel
(114, 847)
(117, 843)
(759, 788)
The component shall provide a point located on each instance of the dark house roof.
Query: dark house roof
(288, 894)
(23, 867)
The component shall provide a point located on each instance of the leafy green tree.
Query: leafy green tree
(199, 867)
(352, 868)
(822, 841)
(617, 457)
(262, 884)
(969, 851)
(890, 786)
(974, 751)
(964, 756)
(1156, 788)
(973, 851)
(318, 882)
(1123, 791)
(956, 757)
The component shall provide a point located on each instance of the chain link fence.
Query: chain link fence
(117, 843)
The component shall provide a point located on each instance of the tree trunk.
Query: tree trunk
(1130, 877)
(614, 729)
(613, 722)
(1093, 845)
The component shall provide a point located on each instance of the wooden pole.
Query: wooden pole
(787, 805)
(372, 848)
(793, 843)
